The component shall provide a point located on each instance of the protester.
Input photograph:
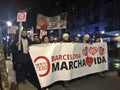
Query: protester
(66, 38)
(100, 74)
(36, 39)
(86, 38)
(76, 39)
(31, 70)
(14, 55)
(45, 40)
(22, 57)
(51, 39)
(59, 38)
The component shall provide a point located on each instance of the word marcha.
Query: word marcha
(58, 66)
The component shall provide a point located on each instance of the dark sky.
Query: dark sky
(9, 8)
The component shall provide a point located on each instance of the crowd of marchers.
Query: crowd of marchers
(22, 62)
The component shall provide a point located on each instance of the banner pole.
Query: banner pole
(60, 33)
(19, 37)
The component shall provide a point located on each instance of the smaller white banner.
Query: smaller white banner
(48, 23)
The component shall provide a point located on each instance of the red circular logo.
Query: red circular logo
(42, 65)
(21, 16)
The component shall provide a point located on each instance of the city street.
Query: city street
(45, 41)
(91, 82)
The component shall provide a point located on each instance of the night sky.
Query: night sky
(76, 9)
(9, 9)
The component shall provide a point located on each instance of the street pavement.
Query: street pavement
(90, 82)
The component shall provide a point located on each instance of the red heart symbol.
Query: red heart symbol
(85, 51)
(93, 50)
(89, 61)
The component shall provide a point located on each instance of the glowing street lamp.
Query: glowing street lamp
(79, 35)
(116, 34)
(9, 23)
(102, 32)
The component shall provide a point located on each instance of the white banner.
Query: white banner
(48, 23)
(66, 61)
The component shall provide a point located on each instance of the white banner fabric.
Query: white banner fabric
(66, 61)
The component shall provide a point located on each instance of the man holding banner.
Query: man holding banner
(22, 57)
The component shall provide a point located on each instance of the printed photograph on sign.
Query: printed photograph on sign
(48, 23)
(21, 16)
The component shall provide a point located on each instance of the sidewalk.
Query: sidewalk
(11, 78)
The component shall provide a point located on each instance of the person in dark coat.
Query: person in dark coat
(22, 57)
(36, 40)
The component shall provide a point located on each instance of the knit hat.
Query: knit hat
(86, 36)
(65, 35)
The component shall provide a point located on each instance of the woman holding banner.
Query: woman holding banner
(66, 38)
(100, 74)
(45, 40)
(86, 38)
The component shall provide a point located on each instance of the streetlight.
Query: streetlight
(79, 35)
(9, 23)
(102, 32)
(116, 34)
